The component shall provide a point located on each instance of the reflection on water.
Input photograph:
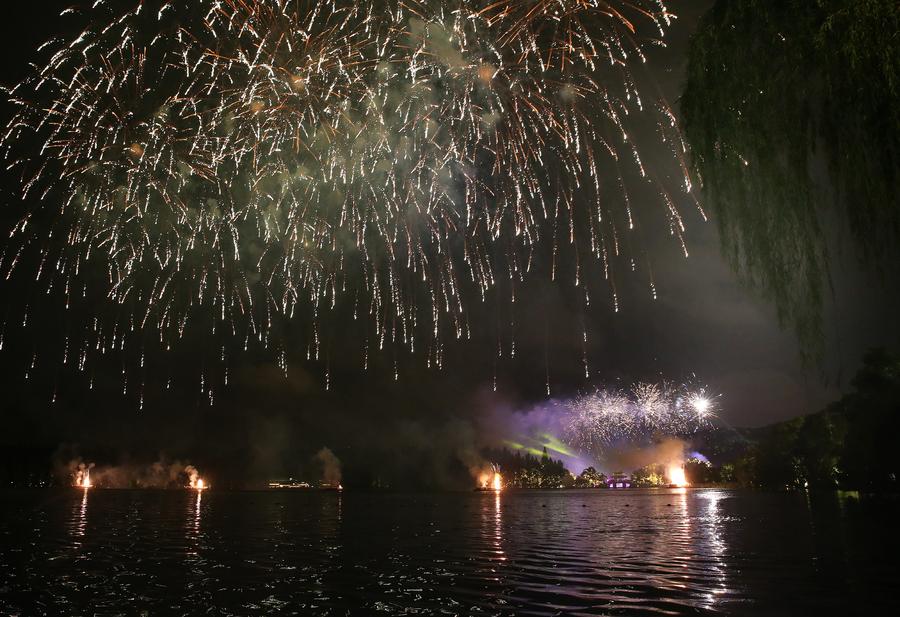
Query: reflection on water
(79, 519)
(674, 552)
(193, 529)
(498, 529)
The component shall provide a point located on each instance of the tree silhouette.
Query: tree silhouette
(792, 112)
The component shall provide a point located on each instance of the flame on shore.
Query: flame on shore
(194, 479)
(83, 478)
(491, 480)
(676, 476)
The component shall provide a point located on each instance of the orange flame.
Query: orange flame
(490, 479)
(83, 477)
(676, 476)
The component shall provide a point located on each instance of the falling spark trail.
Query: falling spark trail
(241, 164)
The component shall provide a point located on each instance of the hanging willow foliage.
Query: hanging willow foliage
(791, 111)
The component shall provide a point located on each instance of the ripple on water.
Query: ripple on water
(517, 553)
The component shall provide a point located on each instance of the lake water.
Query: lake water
(671, 552)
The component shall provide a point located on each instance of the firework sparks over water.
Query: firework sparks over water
(257, 161)
(610, 417)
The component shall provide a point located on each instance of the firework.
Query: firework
(249, 162)
(609, 417)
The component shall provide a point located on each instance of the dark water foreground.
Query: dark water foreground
(67, 552)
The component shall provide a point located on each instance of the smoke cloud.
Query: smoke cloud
(331, 467)
(160, 474)
(667, 452)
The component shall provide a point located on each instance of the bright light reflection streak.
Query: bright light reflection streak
(82, 517)
(713, 535)
(193, 530)
(498, 528)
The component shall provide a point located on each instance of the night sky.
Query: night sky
(704, 323)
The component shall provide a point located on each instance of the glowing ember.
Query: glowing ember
(676, 476)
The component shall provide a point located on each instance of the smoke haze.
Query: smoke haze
(331, 467)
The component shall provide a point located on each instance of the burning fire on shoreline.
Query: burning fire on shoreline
(83, 478)
(194, 480)
(491, 480)
(158, 475)
(676, 476)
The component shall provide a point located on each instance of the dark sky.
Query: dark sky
(703, 323)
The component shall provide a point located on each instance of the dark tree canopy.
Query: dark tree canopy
(851, 444)
(792, 113)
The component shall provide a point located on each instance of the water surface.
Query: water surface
(604, 552)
